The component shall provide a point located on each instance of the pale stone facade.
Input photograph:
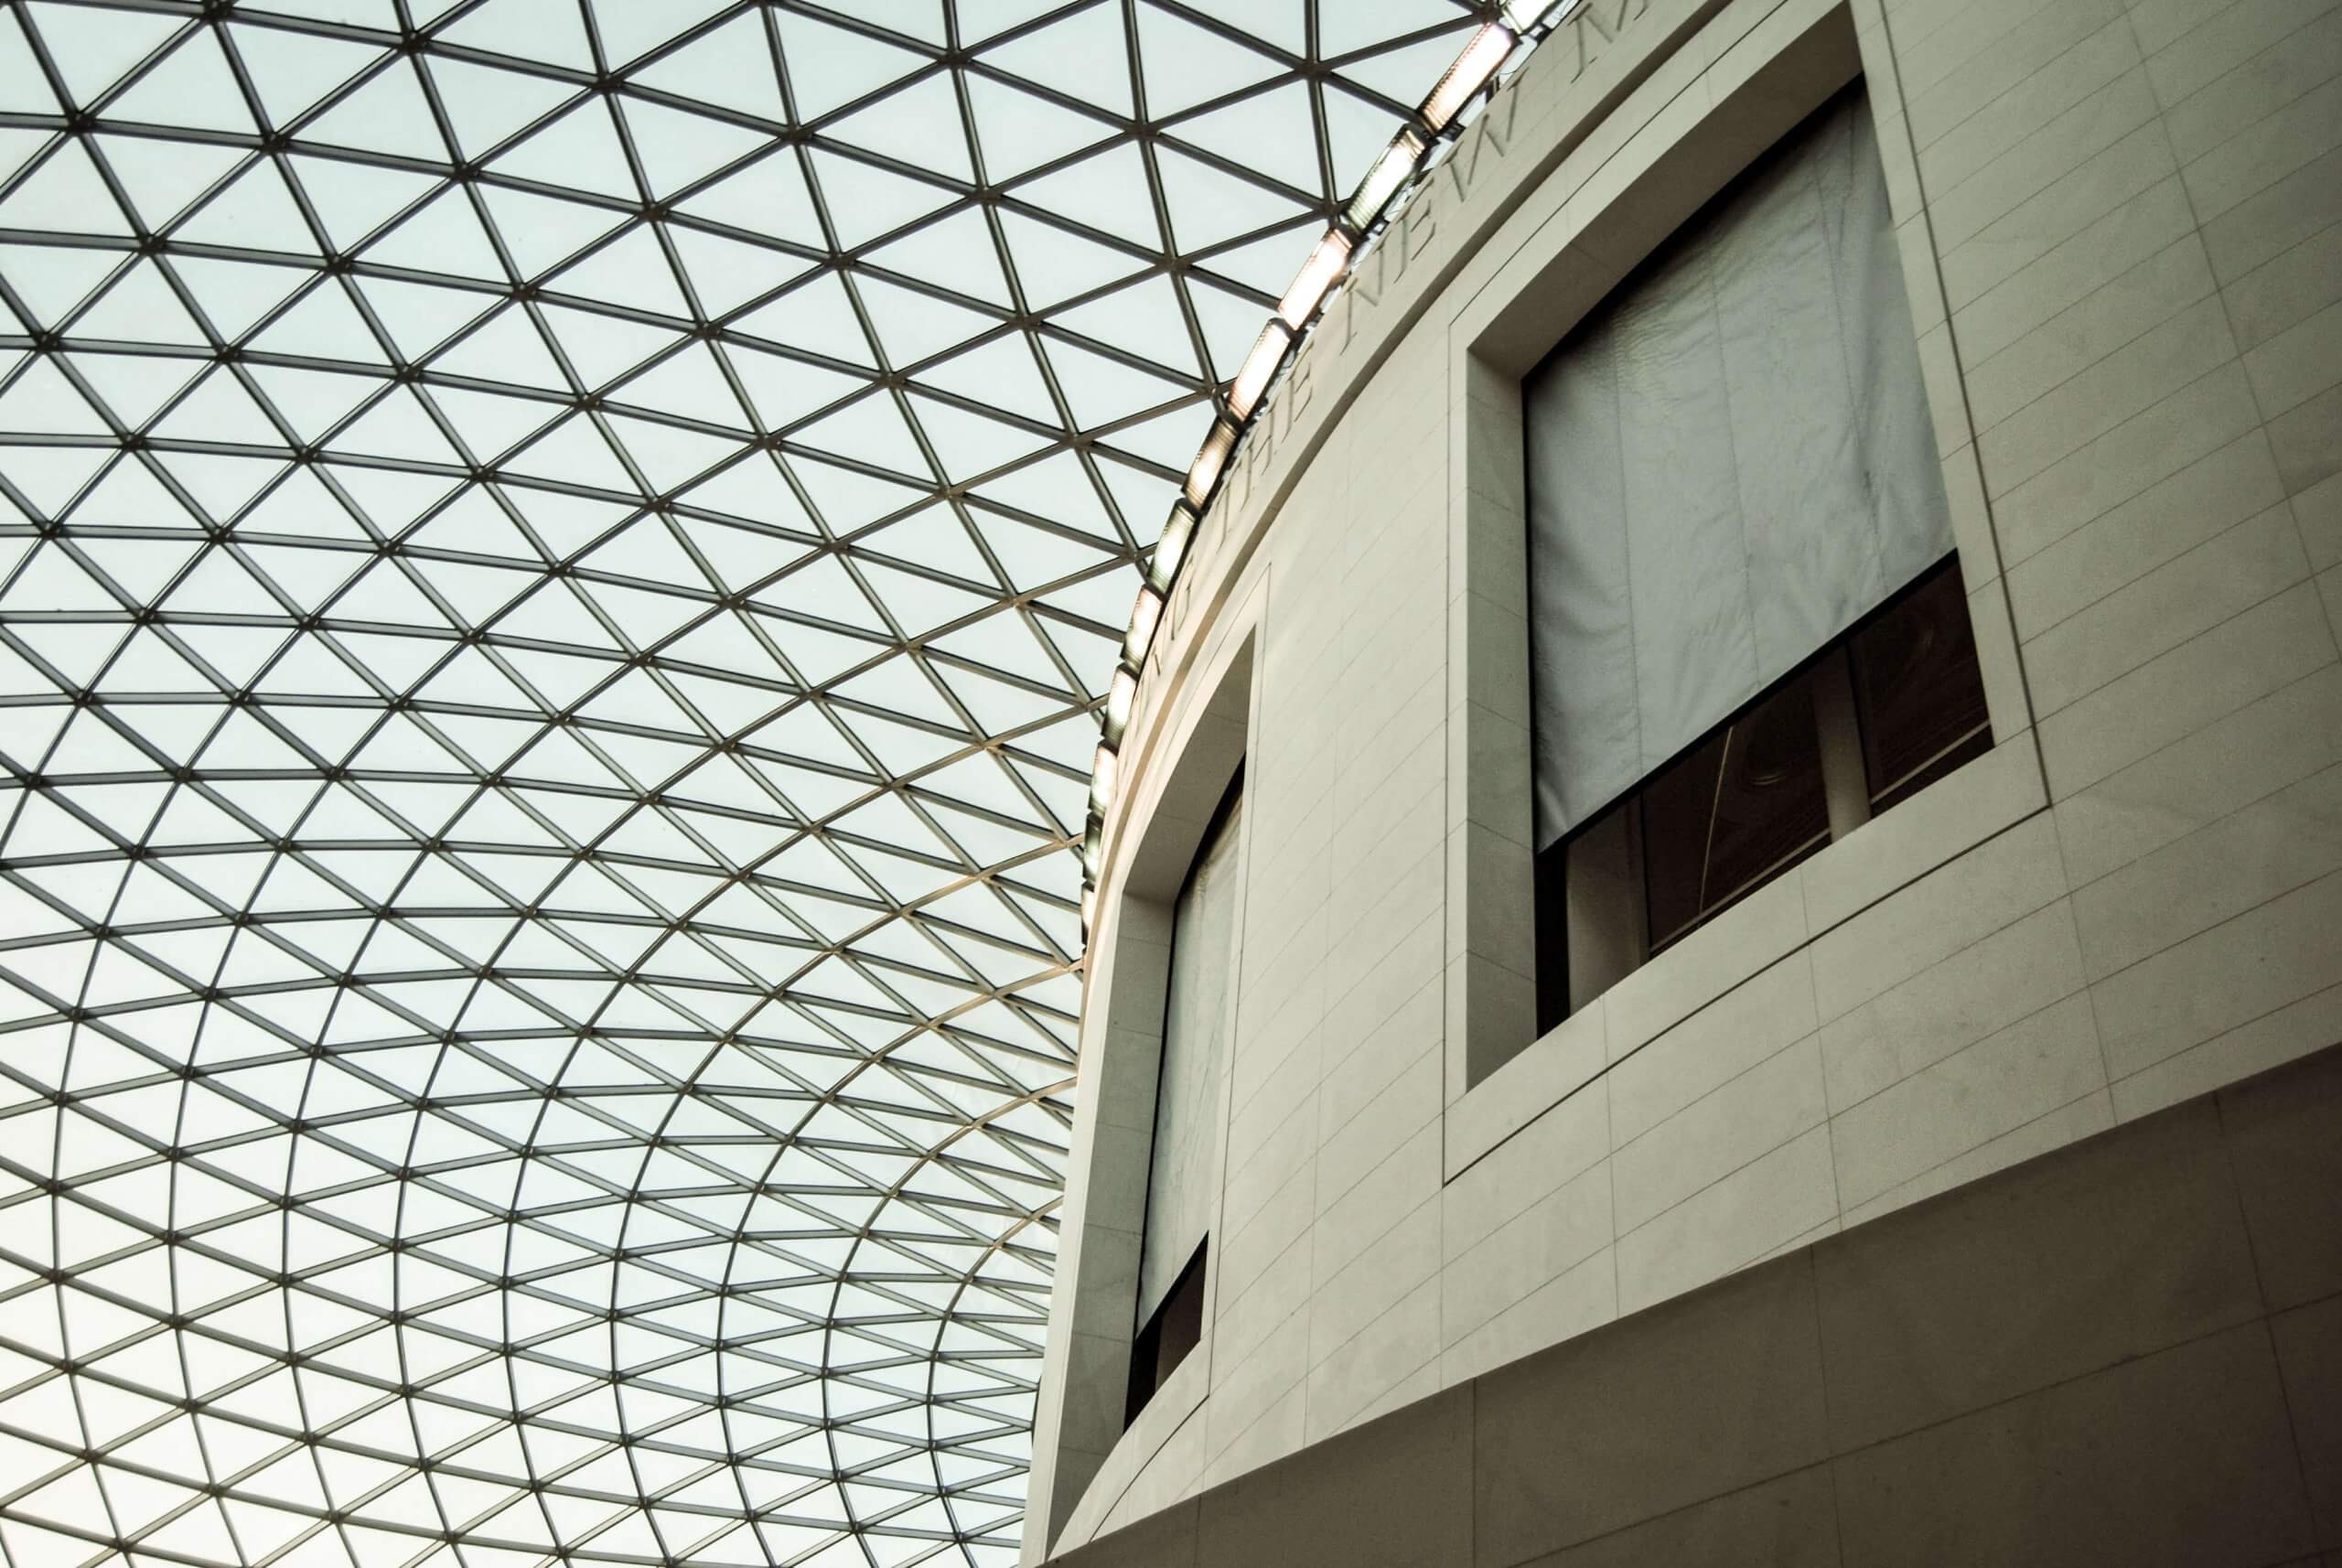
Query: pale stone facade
(2121, 229)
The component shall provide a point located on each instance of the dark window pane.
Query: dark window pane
(1918, 694)
(1742, 807)
(1177, 1327)
(1553, 934)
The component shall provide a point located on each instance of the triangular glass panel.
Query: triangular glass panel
(724, 273)
(352, 203)
(64, 194)
(627, 30)
(1110, 191)
(443, 235)
(387, 114)
(190, 86)
(957, 248)
(913, 326)
(1143, 318)
(869, 430)
(768, 197)
(918, 124)
(1002, 372)
(680, 149)
(1272, 133)
(864, 201)
(1054, 264)
(93, 50)
(1081, 56)
(830, 66)
(815, 317)
(1018, 132)
(161, 176)
(580, 150)
(1185, 63)
(1404, 75)
(730, 67)
(546, 30)
(1209, 205)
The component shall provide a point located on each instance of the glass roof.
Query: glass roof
(557, 560)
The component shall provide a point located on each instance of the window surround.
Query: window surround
(1086, 1439)
(1171, 1328)
(1578, 962)
(1701, 122)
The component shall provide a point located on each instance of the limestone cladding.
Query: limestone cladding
(2122, 228)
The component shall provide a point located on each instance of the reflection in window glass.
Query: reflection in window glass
(1918, 690)
(1745, 805)
(1872, 719)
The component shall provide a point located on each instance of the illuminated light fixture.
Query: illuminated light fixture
(1252, 378)
(1315, 277)
(1209, 459)
(1468, 75)
(1383, 180)
(1102, 780)
(1144, 617)
(1119, 698)
(1093, 839)
(1089, 908)
(1170, 549)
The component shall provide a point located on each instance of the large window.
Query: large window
(1185, 1155)
(1884, 712)
(1747, 633)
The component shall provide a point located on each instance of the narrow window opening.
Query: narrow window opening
(1183, 1159)
(1176, 1328)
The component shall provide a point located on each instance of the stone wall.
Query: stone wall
(2121, 224)
(2127, 1353)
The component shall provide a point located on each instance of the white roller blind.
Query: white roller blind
(1728, 463)
(1195, 1047)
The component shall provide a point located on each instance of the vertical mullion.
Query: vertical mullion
(1845, 781)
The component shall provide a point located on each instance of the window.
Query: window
(1881, 713)
(1917, 695)
(1183, 1157)
(1746, 630)
(1176, 1328)
(1745, 806)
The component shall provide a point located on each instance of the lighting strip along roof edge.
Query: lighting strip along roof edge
(1476, 73)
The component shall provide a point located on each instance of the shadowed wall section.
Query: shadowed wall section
(2126, 1352)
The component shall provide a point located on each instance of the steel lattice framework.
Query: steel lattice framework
(557, 564)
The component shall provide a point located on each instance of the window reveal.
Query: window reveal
(1879, 714)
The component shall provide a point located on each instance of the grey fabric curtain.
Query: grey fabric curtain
(1195, 1050)
(1728, 463)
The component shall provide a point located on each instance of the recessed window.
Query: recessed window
(1183, 1158)
(1173, 1328)
(1745, 806)
(1918, 693)
(1883, 712)
(1746, 631)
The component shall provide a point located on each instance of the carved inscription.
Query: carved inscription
(1605, 20)
(1484, 147)
(1592, 28)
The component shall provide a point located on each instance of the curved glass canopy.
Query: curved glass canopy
(556, 562)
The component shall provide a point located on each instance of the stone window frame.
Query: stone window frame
(1698, 119)
(1083, 1439)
